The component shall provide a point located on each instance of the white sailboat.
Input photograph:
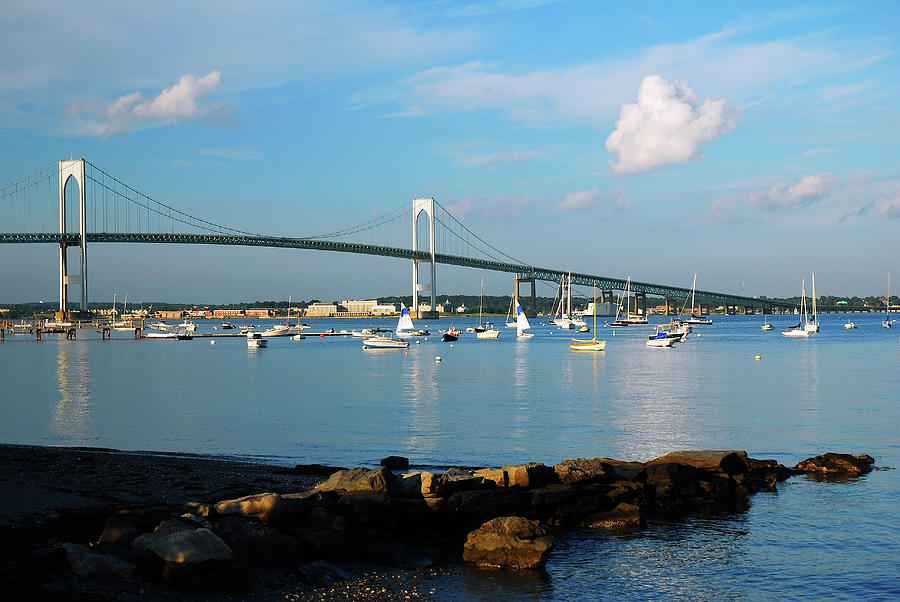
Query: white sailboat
(405, 325)
(628, 319)
(799, 330)
(593, 344)
(564, 312)
(485, 330)
(812, 325)
(522, 325)
(511, 320)
(695, 319)
(887, 322)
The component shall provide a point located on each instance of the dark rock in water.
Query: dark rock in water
(671, 474)
(320, 470)
(832, 464)
(508, 542)
(727, 461)
(395, 463)
(118, 532)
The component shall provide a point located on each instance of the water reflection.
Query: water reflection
(425, 397)
(72, 419)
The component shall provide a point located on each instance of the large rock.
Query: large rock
(533, 474)
(622, 518)
(361, 479)
(395, 463)
(671, 473)
(87, 564)
(269, 508)
(191, 547)
(508, 542)
(118, 532)
(727, 461)
(832, 464)
(258, 543)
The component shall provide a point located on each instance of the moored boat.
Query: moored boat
(255, 340)
(451, 334)
(384, 341)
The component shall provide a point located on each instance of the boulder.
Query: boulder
(326, 544)
(191, 548)
(366, 507)
(118, 532)
(671, 473)
(508, 542)
(361, 479)
(88, 565)
(269, 508)
(163, 529)
(421, 484)
(257, 543)
(727, 461)
(832, 464)
(533, 474)
(622, 518)
(498, 477)
(395, 463)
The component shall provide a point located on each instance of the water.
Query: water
(499, 402)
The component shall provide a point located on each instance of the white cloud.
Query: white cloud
(614, 200)
(666, 126)
(805, 192)
(504, 207)
(497, 158)
(177, 104)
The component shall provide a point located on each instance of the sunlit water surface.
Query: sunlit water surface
(327, 400)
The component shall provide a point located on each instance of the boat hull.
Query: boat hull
(587, 345)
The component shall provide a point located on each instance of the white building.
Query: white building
(359, 307)
(382, 310)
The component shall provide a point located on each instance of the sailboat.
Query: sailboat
(593, 344)
(511, 321)
(522, 325)
(629, 319)
(766, 325)
(695, 319)
(813, 324)
(564, 320)
(405, 327)
(798, 330)
(480, 327)
(887, 322)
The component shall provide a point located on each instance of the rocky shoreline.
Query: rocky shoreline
(101, 524)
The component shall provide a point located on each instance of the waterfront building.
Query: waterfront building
(358, 307)
(321, 310)
(258, 312)
(384, 309)
(228, 313)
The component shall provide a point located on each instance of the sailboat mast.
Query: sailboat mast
(481, 301)
(569, 297)
(693, 292)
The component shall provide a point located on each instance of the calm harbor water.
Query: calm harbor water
(499, 402)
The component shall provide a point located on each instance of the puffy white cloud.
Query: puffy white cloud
(805, 192)
(613, 200)
(503, 207)
(666, 126)
(887, 208)
(179, 103)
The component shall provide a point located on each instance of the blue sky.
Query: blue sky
(654, 140)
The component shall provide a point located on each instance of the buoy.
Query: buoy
(451, 344)
(212, 342)
(699, 335)
(758, 357)
(418, 342)
(426, 338)
(322, 336)
(407, 353)
(437, 358)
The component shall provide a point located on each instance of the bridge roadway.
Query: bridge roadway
(523, 271)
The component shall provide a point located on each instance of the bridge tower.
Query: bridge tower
(73, 169)
(426, 206)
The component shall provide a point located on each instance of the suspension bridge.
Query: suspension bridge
(71, 203)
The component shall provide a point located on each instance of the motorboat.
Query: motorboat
(384, 341)
(489, 332)
(159, 335)
(660, 340)
(160, 325)
(849, 325)
(450, 334)
(227, 326)
(255, 340)
(188, 325)
(364, 333)
(671, 331)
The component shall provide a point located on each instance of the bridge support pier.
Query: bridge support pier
(72, 170)
(426, 206)
(532, 308)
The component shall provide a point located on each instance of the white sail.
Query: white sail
(521, 320)
(405, 323)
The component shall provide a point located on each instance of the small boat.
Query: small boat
(812, 325)
(278, 330)
(765, 325)
(227, 326)
(405, 327)
(183, 336)
(593, 344)
(522, 325)
(564, 321)
(160, 325)
(159, 335)
(584, 329)
(481, 328)
(887, 322)
(489, 332)
(188, 326)
(450, 335)
(363, 334)
(695, 319)
(660, 340)
(849, 325)
(798, 331)
(627, 319)
(384, 341)
(255, 340)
